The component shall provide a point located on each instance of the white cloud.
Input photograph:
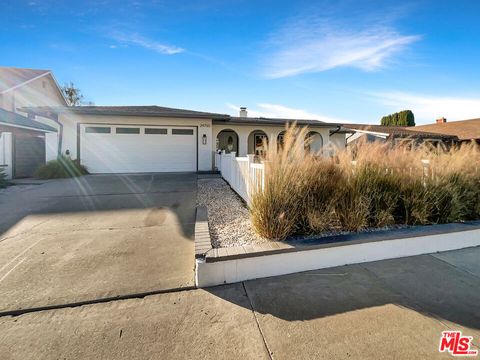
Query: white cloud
(281, 111)
(318, 44)
(138, 40)
(428, 108)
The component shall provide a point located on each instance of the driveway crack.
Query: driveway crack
(269, 352)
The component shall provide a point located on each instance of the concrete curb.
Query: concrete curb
(277, 247)
(230, 265)
(203, 243)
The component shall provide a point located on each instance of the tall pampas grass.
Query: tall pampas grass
(369, 185)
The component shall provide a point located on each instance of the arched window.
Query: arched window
(227, 140)
(314, 143)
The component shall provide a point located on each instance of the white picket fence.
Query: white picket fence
(242, 173)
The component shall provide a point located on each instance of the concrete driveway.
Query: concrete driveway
(79, 240)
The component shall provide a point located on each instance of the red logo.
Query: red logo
(456, 344)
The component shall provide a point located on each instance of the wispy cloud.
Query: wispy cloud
(138, 40)
(314, 44)
(282, 111)
(427, 108)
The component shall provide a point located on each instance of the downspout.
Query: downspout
(335, 131)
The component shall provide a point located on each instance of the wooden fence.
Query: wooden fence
(242, 173)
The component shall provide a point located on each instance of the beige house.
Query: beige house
(140, 139)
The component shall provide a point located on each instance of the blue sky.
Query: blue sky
(345, 61)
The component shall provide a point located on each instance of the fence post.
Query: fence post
(222, 159)
(426, 165)
(251, 160)
(233, 177)
(265, 164)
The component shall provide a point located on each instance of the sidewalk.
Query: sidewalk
(382, 310)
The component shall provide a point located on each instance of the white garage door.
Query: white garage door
(130, 149)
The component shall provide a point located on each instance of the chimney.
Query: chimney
(442, 120)
(243, 112)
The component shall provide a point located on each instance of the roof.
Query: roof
(149, 110)
(463, 129)
(398, 131)
(15, 120)
(274, 121)
(11, 77)
(160, 111)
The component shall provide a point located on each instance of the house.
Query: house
(136, 139)
(24, 140)
(398, 135)
(463, 130)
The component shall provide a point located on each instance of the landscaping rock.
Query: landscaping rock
(227, 214)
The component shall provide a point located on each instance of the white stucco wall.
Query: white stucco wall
(70, 123)
(6, 153)
(272, 131)
(338, 141)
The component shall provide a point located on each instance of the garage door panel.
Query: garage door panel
(143, 152)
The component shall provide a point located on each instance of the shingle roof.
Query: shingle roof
(16, 120)
(463, 129)
(160, 111)
(150, 110)
(11, 77)
(399, 131)
(275, 121)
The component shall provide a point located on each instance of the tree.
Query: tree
(402, 118)
(72, 94)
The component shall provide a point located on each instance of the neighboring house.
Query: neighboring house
(463, 130)
(29, 87)
(23, 139)
(129, 139)
(397, 135)
(22, 144)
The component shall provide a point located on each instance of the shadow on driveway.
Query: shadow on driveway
(101, 236)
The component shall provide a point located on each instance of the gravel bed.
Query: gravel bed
(229, 219)
(228, 215)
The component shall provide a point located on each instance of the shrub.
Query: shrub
(3, 179)
(305, 194)
(62, 167)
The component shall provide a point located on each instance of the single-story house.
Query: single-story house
(397, 135)
(22, 144)
(130, 139)
(463, 130)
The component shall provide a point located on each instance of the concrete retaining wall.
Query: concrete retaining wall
(230, 265)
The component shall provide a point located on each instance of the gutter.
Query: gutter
(335, 131)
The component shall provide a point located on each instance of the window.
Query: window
(182, 131)
(97, 130)
(128, 130)
(153, 131)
